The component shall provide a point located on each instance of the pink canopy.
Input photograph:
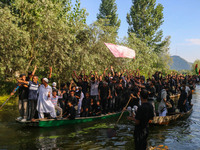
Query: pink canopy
(120, 51)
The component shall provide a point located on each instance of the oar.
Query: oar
(124, 108)
(9, 97)
(112, 132)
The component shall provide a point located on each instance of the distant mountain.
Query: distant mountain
(180, 64)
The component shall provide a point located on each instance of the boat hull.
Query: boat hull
(64, 122)
(165, 120)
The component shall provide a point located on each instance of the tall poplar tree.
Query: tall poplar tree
(108, 10)
(145, 19)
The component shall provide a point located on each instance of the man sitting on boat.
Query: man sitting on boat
(70, 111)
(44, 104)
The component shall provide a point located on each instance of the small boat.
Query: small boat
(62, 122)
(165, 120)
(175, 96)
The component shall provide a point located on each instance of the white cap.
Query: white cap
(54, 84)
(46, 80)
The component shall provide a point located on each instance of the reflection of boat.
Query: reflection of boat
(175, 96)
(61, 122)
(165, 120)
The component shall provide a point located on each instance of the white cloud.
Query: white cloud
(193, 41)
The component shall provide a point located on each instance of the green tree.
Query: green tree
(13, 44)
(196, 62)
(108, 11)
(145, 19)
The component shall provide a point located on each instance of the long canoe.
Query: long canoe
(165, 120)
(63, 122)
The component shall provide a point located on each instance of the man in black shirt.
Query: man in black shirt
(23, 100)
(71, 112)
(104, 93)
(72, 99)
(143, 115)
(85, 105)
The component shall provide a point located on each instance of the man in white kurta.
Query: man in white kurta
(44, 104)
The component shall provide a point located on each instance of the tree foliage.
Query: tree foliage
(144, 19)
(108, 11)
(54, 33)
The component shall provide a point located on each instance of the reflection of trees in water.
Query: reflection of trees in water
(10, 110)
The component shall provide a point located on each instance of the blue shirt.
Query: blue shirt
(33, 90)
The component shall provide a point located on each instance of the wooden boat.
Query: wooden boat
(62, 122)
(165, 120)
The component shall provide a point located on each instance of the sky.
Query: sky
(181, 22)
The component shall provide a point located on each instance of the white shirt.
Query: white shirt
(187, 90)
(44, 103)
(94, 88)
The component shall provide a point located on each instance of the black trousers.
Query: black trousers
(104, 105)
(140, 138)
(32, 112)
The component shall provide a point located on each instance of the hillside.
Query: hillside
(180, 64)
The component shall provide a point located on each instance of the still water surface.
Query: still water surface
(181, 135)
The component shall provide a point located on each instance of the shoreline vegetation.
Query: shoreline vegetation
(55, 33)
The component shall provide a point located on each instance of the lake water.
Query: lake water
(181, 135)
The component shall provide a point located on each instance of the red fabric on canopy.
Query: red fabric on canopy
(120, 51)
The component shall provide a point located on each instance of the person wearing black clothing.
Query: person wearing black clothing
(119, 97)
(111, 102)
(182, 100)
(72, 99)
(98, 109)
(70, 111)
(91, 109)
(23, 100)
(104, 93)
(64, 92)
(136, 98)
(143, 115)
(85, 105)
(152, 95)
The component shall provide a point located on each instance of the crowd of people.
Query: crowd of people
(96, 94)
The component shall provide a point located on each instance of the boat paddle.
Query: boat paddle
(111, 132)
(124, 108)
(9, 97)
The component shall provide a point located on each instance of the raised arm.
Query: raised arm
(75, 74)
(33, 73)
(50, 72)
(112, 70)
(104, 73)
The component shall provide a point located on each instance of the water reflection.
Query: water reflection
(183, 134)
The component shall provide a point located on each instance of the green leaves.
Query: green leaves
(108, 12)
(54, 33)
